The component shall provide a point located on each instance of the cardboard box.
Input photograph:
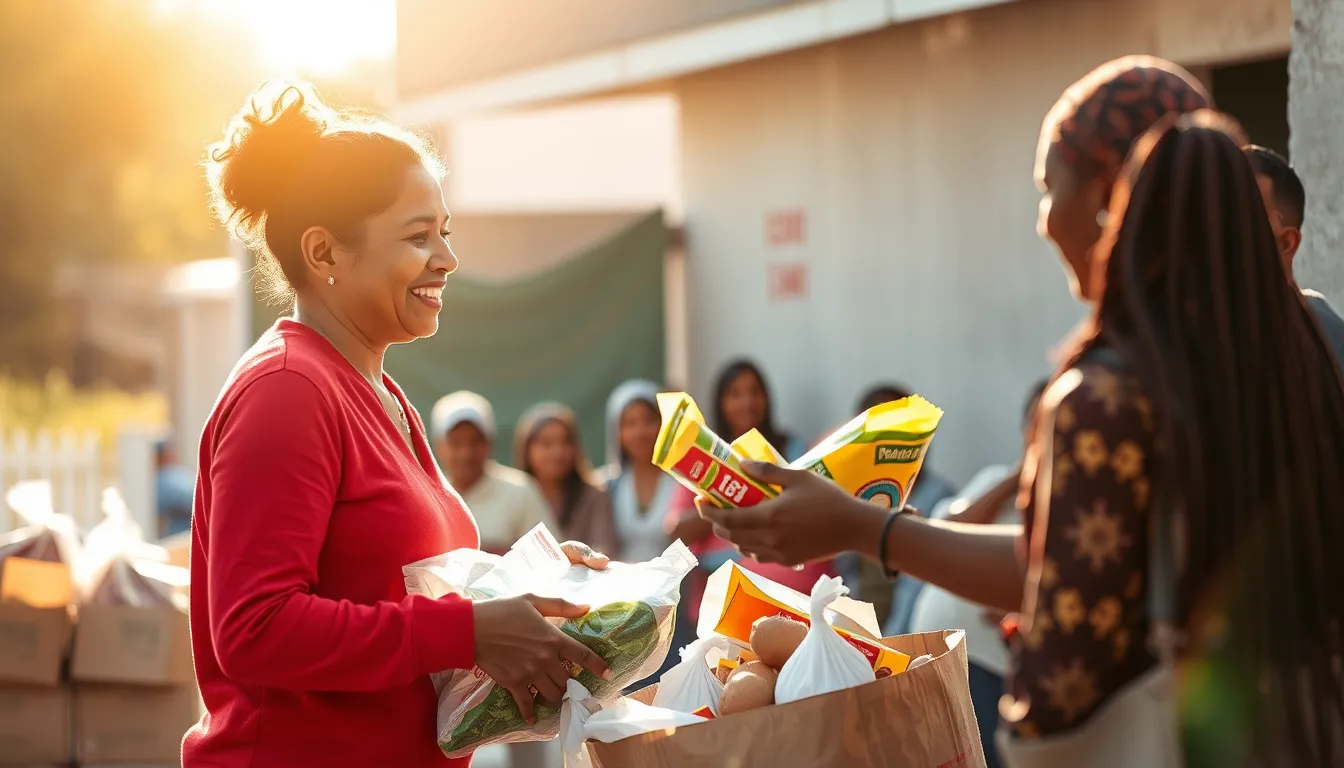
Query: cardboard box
(138, 646)
(132, 724)
(921, 718)
(34, 726)
(32, 644)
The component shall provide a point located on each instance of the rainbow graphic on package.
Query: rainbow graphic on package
(876, 456)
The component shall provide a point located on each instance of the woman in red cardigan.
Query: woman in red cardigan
(317, 483)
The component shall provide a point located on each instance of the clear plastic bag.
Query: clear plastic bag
(630, 627)
(692, 684)
(824, 661)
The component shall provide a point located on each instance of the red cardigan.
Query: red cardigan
(307, 649)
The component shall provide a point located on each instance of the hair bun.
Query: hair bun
(264, 147)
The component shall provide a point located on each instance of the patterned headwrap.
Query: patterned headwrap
(1099, 118)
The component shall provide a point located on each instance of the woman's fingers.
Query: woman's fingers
(773, 474)
(554, 607)
(583, 656)
(582, 554)
(550, 685)
(523, 698)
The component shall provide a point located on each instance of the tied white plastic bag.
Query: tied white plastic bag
(628, 717)
(692, 684)
(579, 706)
(629, 627)
(824, 662)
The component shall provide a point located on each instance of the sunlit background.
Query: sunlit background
(321, 38)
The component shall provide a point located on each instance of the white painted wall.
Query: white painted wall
(911, 152)
(603, 155)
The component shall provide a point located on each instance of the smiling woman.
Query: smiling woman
(317, 483)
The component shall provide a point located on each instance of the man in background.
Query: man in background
(1286, 199)
(505, 502)
(174, 490)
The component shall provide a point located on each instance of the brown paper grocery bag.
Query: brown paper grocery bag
(919, 719)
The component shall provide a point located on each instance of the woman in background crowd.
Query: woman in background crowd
(1200, 388)
(641, 493)
(505, 502)
(742, 403)
(546, 446)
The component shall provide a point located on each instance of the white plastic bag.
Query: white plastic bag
(45, 535)
(627, 717)
(578, 707)
(475, 712)
(118, 567)
(824, 661)
(692, 684)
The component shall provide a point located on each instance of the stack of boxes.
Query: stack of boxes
(92, 684)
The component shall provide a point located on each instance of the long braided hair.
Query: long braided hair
(1249, 414)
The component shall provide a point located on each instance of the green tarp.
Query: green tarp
(570, 333)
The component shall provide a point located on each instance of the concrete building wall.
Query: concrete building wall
(893, 174)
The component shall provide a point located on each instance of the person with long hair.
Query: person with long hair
(742, 402)
(1198, 390)
(317, 482)
(547, 447)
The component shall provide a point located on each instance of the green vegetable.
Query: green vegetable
(623, 634)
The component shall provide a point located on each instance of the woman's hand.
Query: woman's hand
(811, 520)
(523, 652)
(688, 527)
(582, 554)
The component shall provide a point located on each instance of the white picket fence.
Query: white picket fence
(71, 462)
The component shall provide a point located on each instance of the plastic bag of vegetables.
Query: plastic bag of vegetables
(629, 627)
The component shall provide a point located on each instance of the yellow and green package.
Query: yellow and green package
(876, 456)
(702, 461)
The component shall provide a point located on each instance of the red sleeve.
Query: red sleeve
(273, 479)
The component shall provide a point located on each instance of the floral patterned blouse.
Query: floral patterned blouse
(1083, 630)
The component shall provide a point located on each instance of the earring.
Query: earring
(331, 280)
(1102, 218)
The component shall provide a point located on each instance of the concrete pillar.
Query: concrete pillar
(1315, 117)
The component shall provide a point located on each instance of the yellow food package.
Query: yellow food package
(702, 461)
(736, 598)
(878, 454)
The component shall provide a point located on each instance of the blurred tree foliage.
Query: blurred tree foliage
(106, 109)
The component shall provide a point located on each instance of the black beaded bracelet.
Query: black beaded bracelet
(887, 570)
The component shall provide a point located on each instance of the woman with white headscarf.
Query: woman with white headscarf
(640, 491)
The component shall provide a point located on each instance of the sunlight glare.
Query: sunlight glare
(315, 37)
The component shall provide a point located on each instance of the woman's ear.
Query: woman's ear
(315, 245)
